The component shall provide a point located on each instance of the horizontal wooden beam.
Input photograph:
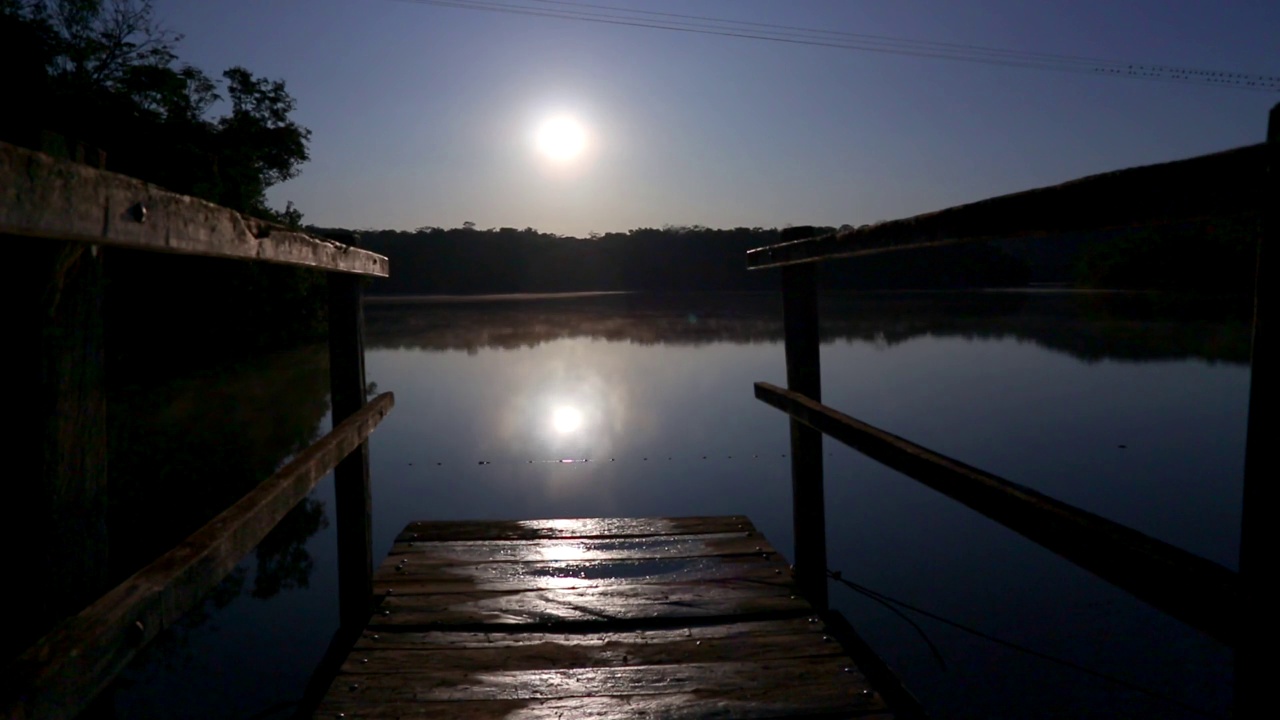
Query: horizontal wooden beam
(44, 197)
(1199, 592)
(59, 675)
(1218, 185)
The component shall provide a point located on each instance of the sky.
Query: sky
(428, 115)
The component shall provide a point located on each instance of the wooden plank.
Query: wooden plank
(42, 197)
(1197, 591)
(585, 550)
(1216, 185)
(496, 637)
(60, 674)
(55, 518)
(1257, 552)
(591, 604)
(796, 674)
(804, 376)
(753, 703)
(352, 500)
(406, 579)
(567, 652)
(570, 528)
(698, 620)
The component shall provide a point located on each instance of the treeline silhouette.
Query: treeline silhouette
(1215, 255)
(102, 82)
(466, 260)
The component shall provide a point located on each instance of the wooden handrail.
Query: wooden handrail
(59, 675)
(1199, 592)
(44, 197)
(1221, 184)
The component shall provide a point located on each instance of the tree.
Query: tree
(106, 73)
(262, 144)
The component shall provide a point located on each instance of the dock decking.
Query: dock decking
(588, 619)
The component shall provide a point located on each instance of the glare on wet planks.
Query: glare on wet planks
(594, 618)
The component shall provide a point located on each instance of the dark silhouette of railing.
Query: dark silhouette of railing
(1230, 606)
(55, 216)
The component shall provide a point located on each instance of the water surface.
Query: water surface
(1132, 407)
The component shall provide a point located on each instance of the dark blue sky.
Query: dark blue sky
(425, 115)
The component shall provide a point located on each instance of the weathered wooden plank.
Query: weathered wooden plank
(585, 550)
(411, 579)
(699, 620)
(53, 522)
(804, 375)
(567, 528)
(591, 604)
(42, 197)
(60, 674)
(1257, 562)
(1216, 185)
(1197, 591)
(495, 637)
(755, 703)
(567, 652)
(352, 500)
(823, 674)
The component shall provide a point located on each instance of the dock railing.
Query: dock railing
(57, 214)
(1231, 607)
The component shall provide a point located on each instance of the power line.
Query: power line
(705, 25)
(839, 33)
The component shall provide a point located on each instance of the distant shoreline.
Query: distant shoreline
(507, 297)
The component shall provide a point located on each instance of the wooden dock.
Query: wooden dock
(595, 618)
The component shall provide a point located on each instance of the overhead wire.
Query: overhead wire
(837, 33)
(706, 25)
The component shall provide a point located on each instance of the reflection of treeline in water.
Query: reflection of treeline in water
(1089, 326)
(182, 450)
(508, 260)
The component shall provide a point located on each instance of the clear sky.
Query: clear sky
(427, 115)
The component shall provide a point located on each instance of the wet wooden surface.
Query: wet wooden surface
(597, 618)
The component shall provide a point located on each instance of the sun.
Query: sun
(566, 419)
(561, 138)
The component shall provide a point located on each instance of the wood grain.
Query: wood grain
(583, 549)
(761, 702)
(571, 528)
(409, 578)
(43, 197)
(595, 618)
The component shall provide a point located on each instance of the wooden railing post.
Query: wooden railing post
(351, 476)
(808, 504)
(55, 516)
(1257, 562)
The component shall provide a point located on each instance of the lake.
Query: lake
(1130, 406)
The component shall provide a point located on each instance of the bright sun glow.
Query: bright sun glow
(566, 419)
(561, 138)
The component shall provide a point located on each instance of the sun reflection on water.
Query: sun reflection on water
(566, 419)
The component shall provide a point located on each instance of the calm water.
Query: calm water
(1129, 407)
